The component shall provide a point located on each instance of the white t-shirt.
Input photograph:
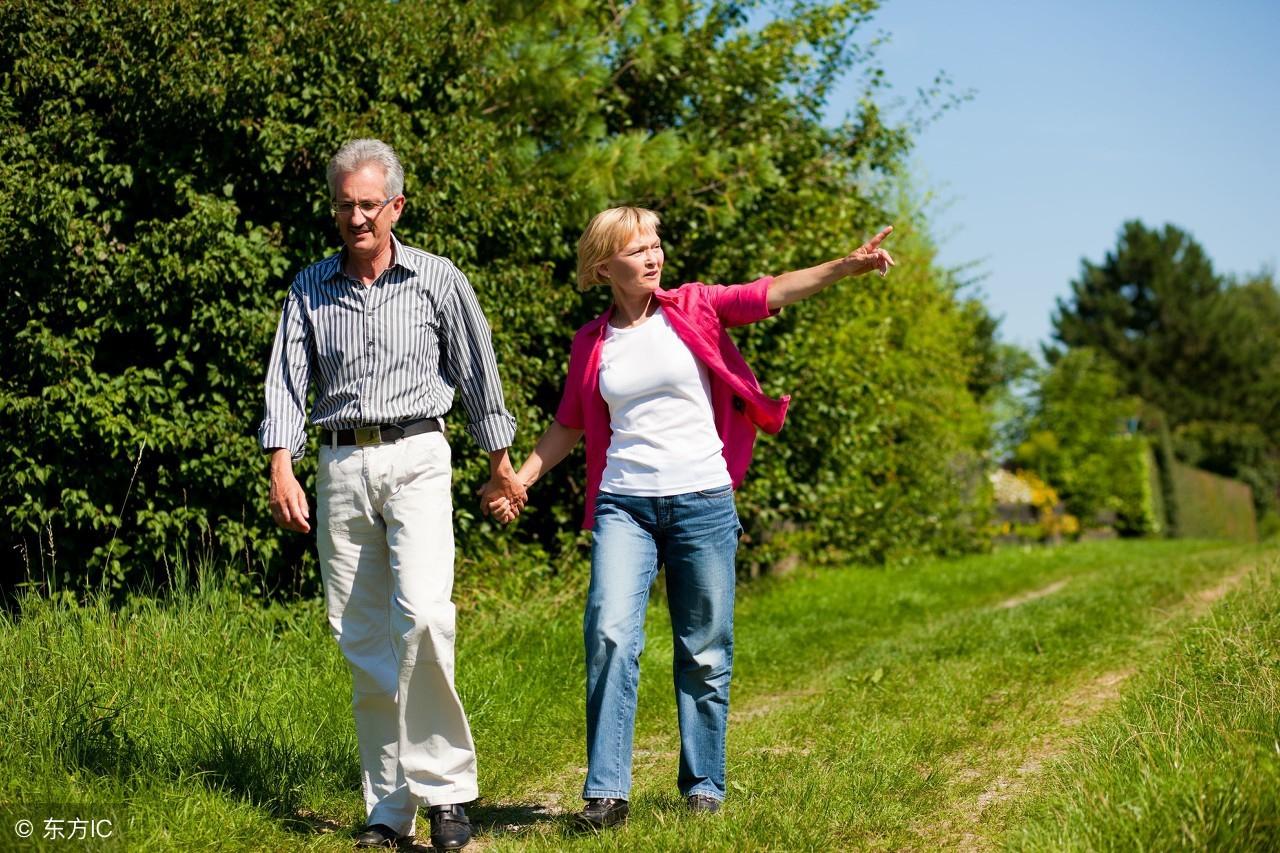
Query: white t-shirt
(664, 433)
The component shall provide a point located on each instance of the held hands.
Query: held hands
(500, 508)
(869, 256)
(504, 495)
(552, 447)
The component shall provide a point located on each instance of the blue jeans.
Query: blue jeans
(695, 536)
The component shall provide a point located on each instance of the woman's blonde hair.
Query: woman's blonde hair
(608, 231)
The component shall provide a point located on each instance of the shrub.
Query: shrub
(1240, 451)
(163, 163)
(1077, 439)
(1029, 509)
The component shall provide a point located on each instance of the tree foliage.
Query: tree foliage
(161, 166)
(1202, 348)
(1079, 440)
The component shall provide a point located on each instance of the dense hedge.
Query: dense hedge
(161, 170)
(1210, 506)
(1154, 503)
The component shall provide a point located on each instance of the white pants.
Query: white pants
(385, 537)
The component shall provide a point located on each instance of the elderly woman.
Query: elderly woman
(669, 409)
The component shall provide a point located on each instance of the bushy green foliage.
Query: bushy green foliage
(161, 163)
(1078, 440)
(1154, 505)
(882, 453)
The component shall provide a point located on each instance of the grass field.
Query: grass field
(1119, 695)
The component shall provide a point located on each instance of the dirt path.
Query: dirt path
(960, 830)
(1008, 772)
(1010, 603)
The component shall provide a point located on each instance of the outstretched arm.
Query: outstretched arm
(791, 287)
(550, 451)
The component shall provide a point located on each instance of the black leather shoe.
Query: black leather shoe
(381, 835)
(702, 804)
(601, 813)
(450, 829)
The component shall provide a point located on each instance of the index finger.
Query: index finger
(874, 242)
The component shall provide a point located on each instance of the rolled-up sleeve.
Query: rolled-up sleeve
(288, 376)
(740, 304)
(472, 367)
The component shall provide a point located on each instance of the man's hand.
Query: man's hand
(288, 501)
(505, 494)
(869, 256)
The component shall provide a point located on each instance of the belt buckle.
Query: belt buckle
(368, 436)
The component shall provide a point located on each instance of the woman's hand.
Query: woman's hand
(504, 512)
(554, 446)
(869, 256)
(791, 287)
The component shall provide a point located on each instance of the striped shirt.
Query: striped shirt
(388, 352)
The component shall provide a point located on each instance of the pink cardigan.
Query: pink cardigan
(699, 313)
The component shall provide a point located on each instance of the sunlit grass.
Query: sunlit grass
(871, 707)
(1190, 758)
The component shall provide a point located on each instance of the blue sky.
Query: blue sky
(1085, 114)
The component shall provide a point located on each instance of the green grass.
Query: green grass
(872, 709)
(1190, 758)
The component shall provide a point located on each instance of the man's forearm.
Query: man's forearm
(281, 459)
(288, 503)
(500, 462)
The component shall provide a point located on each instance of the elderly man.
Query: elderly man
(388, 332)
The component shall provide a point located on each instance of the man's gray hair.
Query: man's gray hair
(356, 153)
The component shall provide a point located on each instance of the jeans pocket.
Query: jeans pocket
(717, 492)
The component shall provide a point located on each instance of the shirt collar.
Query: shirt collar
(336, 261)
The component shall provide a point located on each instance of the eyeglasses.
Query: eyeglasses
(368, 208)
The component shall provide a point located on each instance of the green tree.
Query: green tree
(1145, 306)
(1205, 350)
(1080, 441)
